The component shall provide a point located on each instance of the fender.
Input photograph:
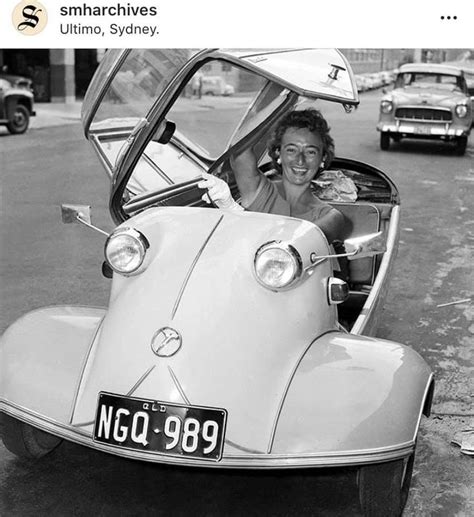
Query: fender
(17, 96)
(50, 346)
(353, 393)
(350, 400)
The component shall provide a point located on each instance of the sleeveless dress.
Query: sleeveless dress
(269, 200)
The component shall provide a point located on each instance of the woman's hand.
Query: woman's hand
(218, 192)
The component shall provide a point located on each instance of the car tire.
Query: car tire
(461, 144)
(19, 121)
(384, 141)
(384, 487)
(24, 440)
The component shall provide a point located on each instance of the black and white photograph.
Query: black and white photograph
(236, 281)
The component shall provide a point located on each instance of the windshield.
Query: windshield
(210, 116)
(214, 111)
(429, 80)
(160, 117)
(142, 77)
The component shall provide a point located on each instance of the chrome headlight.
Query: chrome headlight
(125, 251)
(386, 106)
(277, 265)
(461, 110)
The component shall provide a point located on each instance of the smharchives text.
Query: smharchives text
(109, 10)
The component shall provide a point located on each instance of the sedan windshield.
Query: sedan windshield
(427, 80)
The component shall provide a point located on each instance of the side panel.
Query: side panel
(353, 393)
(42, 356)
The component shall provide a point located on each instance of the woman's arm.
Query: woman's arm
(333, 225)
(247, 175)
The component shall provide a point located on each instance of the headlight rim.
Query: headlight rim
(384, 103)
(294, 255)
(142, 241)
(461, 106)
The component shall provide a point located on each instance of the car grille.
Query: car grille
(424, 114)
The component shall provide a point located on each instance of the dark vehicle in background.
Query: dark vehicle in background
(16, 102)
(428, 101)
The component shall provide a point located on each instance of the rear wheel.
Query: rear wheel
(461, 144)
(384, 141)
(384, 487)
(19, 121)
(24, 440)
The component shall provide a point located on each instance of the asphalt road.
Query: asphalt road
(44, 262)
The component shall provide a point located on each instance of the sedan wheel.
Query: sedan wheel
(383, 488)
(384, 141)
(24, 440)
(20, 120)
(461, 144)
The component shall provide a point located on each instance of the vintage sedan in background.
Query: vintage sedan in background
(16, 102)
(229, 341)
(428, 101)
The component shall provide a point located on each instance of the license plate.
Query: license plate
(422, 130)
(151, 425)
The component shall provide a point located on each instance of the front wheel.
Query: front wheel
(461, 144)
(384, 141)
(19, 121)
(24, 440)
(383, 488)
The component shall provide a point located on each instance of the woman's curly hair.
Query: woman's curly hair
(311, 119)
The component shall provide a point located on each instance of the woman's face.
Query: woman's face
(301, 153)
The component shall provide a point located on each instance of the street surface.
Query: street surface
(44, 262)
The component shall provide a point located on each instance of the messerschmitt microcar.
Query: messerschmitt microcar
(228, 342)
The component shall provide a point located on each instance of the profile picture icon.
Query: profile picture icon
(29, 17)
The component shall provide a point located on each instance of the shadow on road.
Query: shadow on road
(74, 480)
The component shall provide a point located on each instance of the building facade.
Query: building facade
(59, 75)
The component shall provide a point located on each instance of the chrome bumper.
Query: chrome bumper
(422, 129)
(230, 459)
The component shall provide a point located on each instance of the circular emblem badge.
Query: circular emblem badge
(29, 17)
(166, 342)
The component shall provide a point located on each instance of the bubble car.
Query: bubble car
(229, 342)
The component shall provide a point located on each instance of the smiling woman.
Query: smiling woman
(301, 148)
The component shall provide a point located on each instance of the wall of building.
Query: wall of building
(59, 75)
